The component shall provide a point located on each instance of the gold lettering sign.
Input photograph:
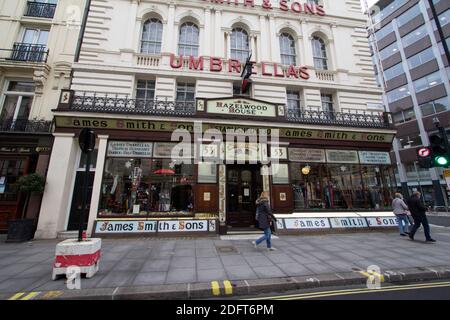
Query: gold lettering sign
(241, 107)
(147, 125)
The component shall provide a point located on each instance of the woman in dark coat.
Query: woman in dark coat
(265, 219)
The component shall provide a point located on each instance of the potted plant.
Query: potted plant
(22, 229)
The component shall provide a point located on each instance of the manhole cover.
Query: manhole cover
(226, 249)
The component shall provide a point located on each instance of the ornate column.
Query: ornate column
(308, 59)
(168, 41)
(131, 25)
(335, 64)
(218, 37)
(228, 48)
(275, 48)
(253, 45)
(265, 50)
(258, 47)
(205, 41)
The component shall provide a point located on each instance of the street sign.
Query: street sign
(424, 152)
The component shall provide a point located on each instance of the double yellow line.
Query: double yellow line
(215, 287)
(324, 294)
(22, 296)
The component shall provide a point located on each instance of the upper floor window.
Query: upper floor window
(240, 47)
(293, 102)
(151, 42)
(185, 92)
(383, 32)
(327, 102)
(410, 141)
(320, 53)
(189, 39)
(41, 8)
(408, 15)
(287, 49)
(393, 72)
(145, 90)
(428, 81)
(414, 36)
(421, 58)
(389, 51)
(398, 94)
(405, 115)
(18, 99)
(35, 36)
(435, 106)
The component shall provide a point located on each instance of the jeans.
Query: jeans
(426, 227)
(266, 236)
(403, 219)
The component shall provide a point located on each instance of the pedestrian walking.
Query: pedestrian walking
(265, 219)
(418, 212)
(401, 212)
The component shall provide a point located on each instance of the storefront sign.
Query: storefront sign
(241, 107)
(374, 157)
(126, 227)
(164, 150)
(348, 223)
(135, 226)
(342, 156)
(151, 126)
(374, 222)
(306, 155)
(243, 151)
(183, 226)
(130, 149)
(447, 178)
(307, 223)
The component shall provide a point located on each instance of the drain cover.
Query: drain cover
(226, 249)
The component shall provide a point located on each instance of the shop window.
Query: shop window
(207, 172)
(189, 39)
(151, 41)
(341, 186)
(146, 187)
(280, 173)
(10, 171)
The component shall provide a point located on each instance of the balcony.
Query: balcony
(26, 126)
(25, 52)
(345, 117)
(122, 104)
(40, 9)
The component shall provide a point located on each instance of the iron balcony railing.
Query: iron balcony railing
(352, 118)
(26, 126)
(40, 9)
(25, 52)
(115, 103)
(93, 102)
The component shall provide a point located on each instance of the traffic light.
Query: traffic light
(440, 154)
(424, 158)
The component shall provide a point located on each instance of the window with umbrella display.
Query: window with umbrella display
(137, 181)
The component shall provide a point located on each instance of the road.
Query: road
(443, 221)
(416, 291)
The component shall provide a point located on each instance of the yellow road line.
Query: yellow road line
(16, 296)
(52, 294)
(359, 290)
(228, 287)
(372, 273)
(30, 296)
(215, 288)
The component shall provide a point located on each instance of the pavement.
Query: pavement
(189, 268)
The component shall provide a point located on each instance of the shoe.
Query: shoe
(411, 237)
(403, 234)
(431, 240)
(272, 249)
(254, 244)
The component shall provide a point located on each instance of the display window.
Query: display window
(146, 187)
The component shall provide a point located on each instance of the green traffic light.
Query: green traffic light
(442, 161)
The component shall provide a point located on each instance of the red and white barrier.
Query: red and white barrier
(84, 255)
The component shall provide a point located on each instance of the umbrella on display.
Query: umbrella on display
(164, 171)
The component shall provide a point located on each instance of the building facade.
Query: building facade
(38, 44)
(413, 70)
(310, 129)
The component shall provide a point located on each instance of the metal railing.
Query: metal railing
(352, 119)
(40, 9)
(25, 52)
(115, 103)
(25, 125)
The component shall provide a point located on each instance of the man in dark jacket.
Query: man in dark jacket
(418, 212)
(265, 219)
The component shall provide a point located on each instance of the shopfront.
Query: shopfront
(147, 182)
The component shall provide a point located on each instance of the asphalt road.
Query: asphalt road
(415, 291)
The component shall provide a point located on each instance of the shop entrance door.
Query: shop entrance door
(244, 184)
